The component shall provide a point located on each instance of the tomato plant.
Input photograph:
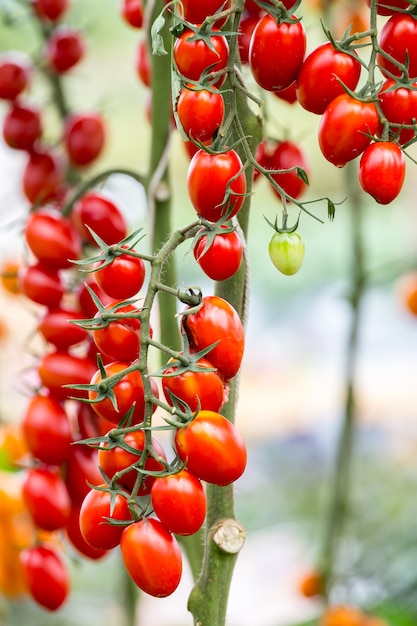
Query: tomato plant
(200, 112)
(123, 277)
(97, 510)
(382, 171)
(221, 257)
(193, 57)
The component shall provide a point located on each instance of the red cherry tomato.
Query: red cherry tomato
(286, 155)
(132, 12)
(196, 12)
(84, 138)
(59, 368)
(85, 301)
(122, 278)
(276, 52)
(223, 258)
(75, 538)
(97, 210)
(52, 239)
(143, 63)
(152, 557)
(120, 339)
(217, 321)
(82, 471)
(15, 74)
(46, 576)
(382, 171)
(212, 448)
(322, 76)
(42, 177)
(399, 105)
(346, 129)
(50, 9)
(22, 127)
(64, 49)
(41, 285)
(56, 327)
(180, 502)
(46, 498)
(398, 39)
(46, 429)
(97, 509)
(199, 390)
(246, 27)
(382, 7)
(192, 58)
(209, 180)
(114, 458)
(200, 112)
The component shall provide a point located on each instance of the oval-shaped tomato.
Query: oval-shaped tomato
(398, 39)
(114, 458)
(42, 177)
(200, 112)
(399, 105)
(15, 74)
(193, 57)
(128, 392)
(322, 76)
(96, 512)
(84, 138)
(46, 498)
(346, 128)
(212, 448)
(82, 471)
(64, 49)
(216, 184)
(217, 321)
(41, 285)
(22, 127)
(59, 368)
(286, 251)
(196, 12)
(199, 390)
(223, 258)
(75, 538)
(97, 210)
(120, 339)
(179, 501)
(285, 156)
(276, 52)
(56, 327)
(246, 27)
(50, 9)
(52, 238)
(152, 557)
(123, 277)
(132, 12)
(47, 430)
(46, 576)
(382, 171)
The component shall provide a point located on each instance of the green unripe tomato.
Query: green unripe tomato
(287, 252)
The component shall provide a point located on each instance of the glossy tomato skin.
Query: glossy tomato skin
(196, 12)
(399, 105)
(179, 501)
(318, 82)
(41, 285)
(97, 210)
(346, 128)
(217, 320)
(58, 368)
(152, 557)
(120, 339)
(114, 458)
(47, 430)
(15, 74)
(212, 448)
(208, 181)
(223, 258)
(96, 507)
(286, 155)
(65, 48)
(122, 278)
(200, 112)
(84, 138)
(46, 576)
(52, 238)
(56, 327)
(75, 538)
(128, 392)
(82, 471)
(42, 177)
(286, 251)
(22, 127)
(276, 52)
(398, 39)
(246, 27)
(199, 390)
(192, 58)
(46, 498)
(382, 171)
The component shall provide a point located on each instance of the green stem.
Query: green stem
(339, 500)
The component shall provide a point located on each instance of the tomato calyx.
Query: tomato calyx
(107, 314)
(107, 254)
(278, 11)
(210, 230)
(284, 228)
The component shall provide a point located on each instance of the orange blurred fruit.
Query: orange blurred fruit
(9, 277)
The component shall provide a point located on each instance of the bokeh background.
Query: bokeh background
(293, 386)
